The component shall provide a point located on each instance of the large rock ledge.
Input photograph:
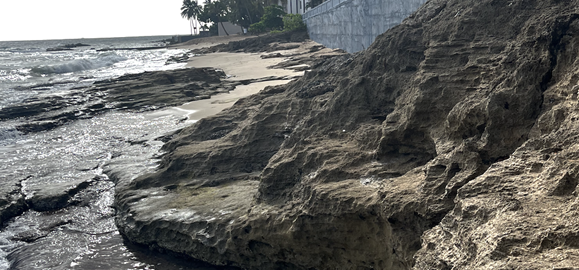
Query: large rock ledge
(451, 143)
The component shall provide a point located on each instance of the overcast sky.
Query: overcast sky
(61, 19)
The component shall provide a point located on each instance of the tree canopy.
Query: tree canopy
(215, 12)
(271, 20)
(190, 10)
(240, 12)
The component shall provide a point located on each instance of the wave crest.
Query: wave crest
(8, 135)
(80, 64)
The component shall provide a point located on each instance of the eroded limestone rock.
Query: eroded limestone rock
(451, 143)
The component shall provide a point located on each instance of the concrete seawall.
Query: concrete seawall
(353, 25)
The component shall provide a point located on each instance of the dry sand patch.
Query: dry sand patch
(207, 107)
(242, 66)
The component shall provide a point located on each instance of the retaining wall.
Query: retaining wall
(353, 25)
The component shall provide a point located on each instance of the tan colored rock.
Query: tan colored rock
(451, 143)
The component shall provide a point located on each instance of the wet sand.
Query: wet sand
(208, 107)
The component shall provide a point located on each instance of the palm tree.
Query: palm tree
(190, 10)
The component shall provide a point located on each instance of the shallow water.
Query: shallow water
(24, 64)
(82, 235)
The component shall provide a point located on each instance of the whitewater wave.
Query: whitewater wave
(8, 135)
(80, 64)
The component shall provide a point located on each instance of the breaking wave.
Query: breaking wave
(80, 64)
(7, 135)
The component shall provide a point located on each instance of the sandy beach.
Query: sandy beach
(114, 128)
(238, 67)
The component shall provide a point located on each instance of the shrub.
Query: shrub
(257, 28)
(271, 20)
(214, 30)
(272, 17)
(293, 22)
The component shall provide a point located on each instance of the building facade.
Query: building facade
(295, 6)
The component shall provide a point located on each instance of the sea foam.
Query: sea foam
(104, 60)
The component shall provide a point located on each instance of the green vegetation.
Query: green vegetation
(240, 12)
(293, 22)
(275, 20)
(258, 16)
(271, 20)
(215, 12)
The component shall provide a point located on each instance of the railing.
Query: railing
(322, 8)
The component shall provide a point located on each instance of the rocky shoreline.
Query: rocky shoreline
(152, 90)
(450, 143)
(135, 92)
(138, 93)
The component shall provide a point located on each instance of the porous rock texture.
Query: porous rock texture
(451, 143)
(131, 92)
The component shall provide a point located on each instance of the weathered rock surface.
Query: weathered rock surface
(264, 43)
(153, 90)
(12, 202)
(55, 196)
(451, 143)
(67, 47)
(16, 197)
(135, 92)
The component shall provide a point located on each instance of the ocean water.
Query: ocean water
(83, 235)
(28, 63)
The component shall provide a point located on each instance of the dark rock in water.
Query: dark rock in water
(32, 235)
(132, 49)
(66, 47)
(135, 92)
(55, 196)
(81, 45)
(12, 201)
(450, 143)
(160, 89)
(74, 45)
(178, 59)
(57, 49)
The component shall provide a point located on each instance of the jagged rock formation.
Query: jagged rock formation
(132, 92)
(451, 143)
(264, 43)
(136, 92)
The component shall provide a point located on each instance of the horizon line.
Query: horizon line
(51, 39)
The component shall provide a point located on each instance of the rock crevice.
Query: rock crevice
(444, 145)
